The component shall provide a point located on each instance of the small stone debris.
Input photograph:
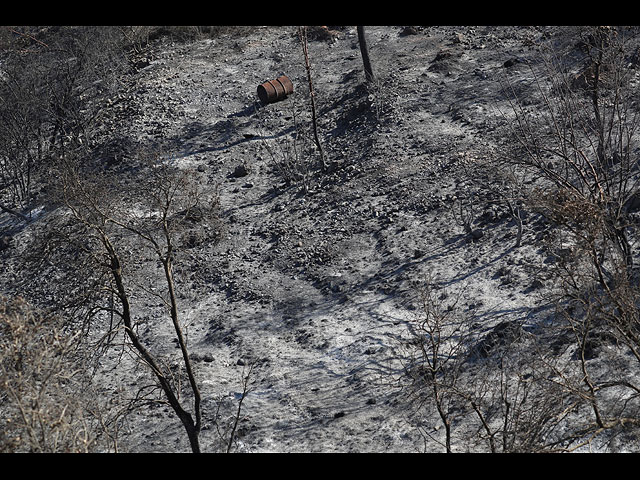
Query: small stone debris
(477, 234)
(240, 171)
(5, 242)
(511, 62)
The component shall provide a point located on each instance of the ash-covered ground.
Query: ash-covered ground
(319, 289)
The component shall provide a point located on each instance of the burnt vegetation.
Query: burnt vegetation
(111, 243)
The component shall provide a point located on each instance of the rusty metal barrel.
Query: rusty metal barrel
(275, 90)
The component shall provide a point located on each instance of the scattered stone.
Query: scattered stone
(240, 171)
(511, 62)
(536, 284)
(477, 234)
(141, 63)
(411, 30)
(502, 334)
(596, 343)
(5, 242)
(459, 38)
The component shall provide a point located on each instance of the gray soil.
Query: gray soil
(319, 290)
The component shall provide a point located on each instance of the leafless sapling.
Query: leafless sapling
(158, 205)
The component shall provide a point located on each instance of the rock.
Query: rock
(511, 62)
(501, 335)
(240, 171)
(459, 38)
(595, 344)
(536, 284)
(141, 63)
(477, 234)
(411, 30)
(5, 242)
(207, 357)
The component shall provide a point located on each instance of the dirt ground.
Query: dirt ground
(319, 290)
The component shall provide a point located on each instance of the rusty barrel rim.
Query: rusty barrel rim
(266, 92)
(286, 84)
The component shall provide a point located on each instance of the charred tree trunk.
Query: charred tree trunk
(364, 50)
